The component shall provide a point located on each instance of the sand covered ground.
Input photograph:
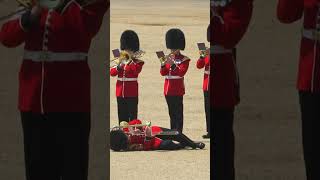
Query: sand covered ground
(151, 20)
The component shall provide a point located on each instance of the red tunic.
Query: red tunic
(290, 11)
(152, 144)
(127, 82)
(174, 79)
(227, 28)
(55, 76)
(205, 63)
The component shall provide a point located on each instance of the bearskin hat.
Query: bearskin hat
(129, 41)
(118, 140)
(175, 39)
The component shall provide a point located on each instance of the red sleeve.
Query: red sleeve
(12, 34)
(113, 71)
(236, 18)
(164, 70)
(134, 68)
(201, 63)
(289, 11)
(181, 69)
(136, 121)
(89, 18)
(152, 144)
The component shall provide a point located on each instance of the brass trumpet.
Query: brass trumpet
(165, 58)
(124, 124)
(126, 57)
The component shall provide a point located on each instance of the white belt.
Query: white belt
(173, 77)
(127, 79)
(207, 72)
(219, 50)
(39, 56)
(311, 34)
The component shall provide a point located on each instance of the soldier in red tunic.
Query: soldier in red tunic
(54, 84)
(204, 63)
(308, 83)
(229, 22)
(127, 72)
(145, 138)
(174, 69)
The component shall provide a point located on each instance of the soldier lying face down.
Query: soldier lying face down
(145, 138)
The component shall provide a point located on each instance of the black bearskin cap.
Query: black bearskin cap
(118, 140)
(175, 39)
(129, 41)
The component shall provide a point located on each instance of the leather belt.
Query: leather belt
(173, 77)
(127, 79)
(311, 34)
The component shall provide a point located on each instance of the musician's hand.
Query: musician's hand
(170, 61)
(148, 131)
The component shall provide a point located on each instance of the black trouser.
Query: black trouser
(310, 114)
(127, 108)
(207, 109)
(56, 145)
(168, 144)
(175, 106)
(223, 144)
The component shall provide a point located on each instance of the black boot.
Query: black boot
(206, 136)
(200, 145)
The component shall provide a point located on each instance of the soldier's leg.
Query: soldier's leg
(72, 132)
(309, 104)
(122, 109)
(179, 113)
(181, 138)
(169, 145)
(39, 145)
(170, 103)
(207, 110)
(223, 144)
(132, 107)
(175, 104)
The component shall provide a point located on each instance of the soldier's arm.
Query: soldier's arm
(228, 29)
(181, 69)
(14, 32)
(113, 71)
(87, 19)
(289, 11)
(164, 70)
(201, 63)
(134, 68)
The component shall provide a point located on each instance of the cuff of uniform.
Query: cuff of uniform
(173, 67)
(119, 68)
